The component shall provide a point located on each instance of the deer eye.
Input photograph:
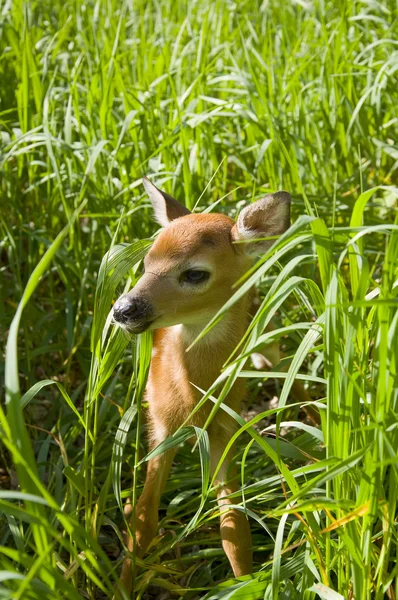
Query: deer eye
(194, 276)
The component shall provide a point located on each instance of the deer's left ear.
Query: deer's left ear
(166, 209)
(269, 216)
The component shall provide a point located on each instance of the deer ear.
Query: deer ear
(165, 207)
(267, 217)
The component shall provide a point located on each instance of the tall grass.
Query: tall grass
(219, 102)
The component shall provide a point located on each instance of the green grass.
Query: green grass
(217, 101)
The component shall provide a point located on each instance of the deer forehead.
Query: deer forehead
(199, 237)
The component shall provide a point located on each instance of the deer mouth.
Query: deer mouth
(135, 328)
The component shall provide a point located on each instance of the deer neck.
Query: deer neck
(203, 361)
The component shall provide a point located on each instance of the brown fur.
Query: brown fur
(178, 312)
(170, 394)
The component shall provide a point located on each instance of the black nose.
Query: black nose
(130, 309)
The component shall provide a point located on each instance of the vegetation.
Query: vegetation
(219, 102)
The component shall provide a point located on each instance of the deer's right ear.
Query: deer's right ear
(166, 209)
(269, 216)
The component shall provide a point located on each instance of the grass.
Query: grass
(219, 102)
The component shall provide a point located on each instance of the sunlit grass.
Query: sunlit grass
(213, 100)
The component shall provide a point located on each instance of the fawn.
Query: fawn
(189, 274)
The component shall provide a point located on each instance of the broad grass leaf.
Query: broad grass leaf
(37, 387)
(307, 343)
(118, 450)
(204, 452)
(325, 592)
(15, 495)
(276, 563)
(244, 590)
(324, 249)
(170, 442)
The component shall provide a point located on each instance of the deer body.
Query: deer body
(189, 274)
(170, 393)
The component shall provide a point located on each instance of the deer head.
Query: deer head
(195, 260)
